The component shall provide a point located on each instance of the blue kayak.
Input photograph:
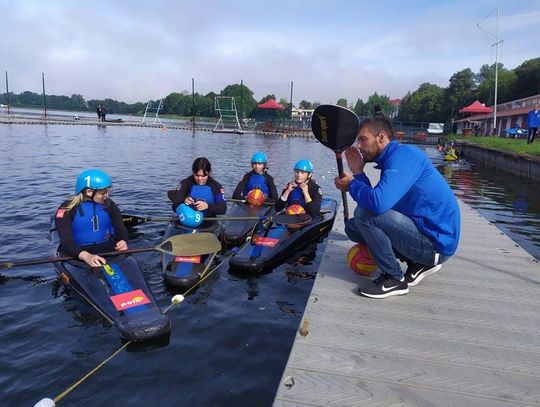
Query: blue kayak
(118, 291)
(272, 243)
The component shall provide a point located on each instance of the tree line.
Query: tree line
(429, 103)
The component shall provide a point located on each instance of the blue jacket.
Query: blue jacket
(410, 184)
(533, 118)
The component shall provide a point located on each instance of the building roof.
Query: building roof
(395, 102)
(476, 107)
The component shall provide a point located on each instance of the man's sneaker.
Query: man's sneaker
(416, 273)
(384, 286)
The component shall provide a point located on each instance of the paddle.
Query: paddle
(284, 219)
(336, 128)
(171, 194)
(193, 244)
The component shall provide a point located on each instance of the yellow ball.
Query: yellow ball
(295, 209)
(360, 260)
(255, 197)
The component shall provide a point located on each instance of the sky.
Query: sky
(135, 51)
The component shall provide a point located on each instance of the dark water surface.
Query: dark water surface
(231, 338)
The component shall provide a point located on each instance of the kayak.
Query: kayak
(117, 291)
(186, 271)
(235, 232)
(272, 243)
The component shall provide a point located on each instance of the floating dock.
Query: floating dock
(468, 335)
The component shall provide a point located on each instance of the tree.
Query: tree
(423, 105)
(243, 96)
(359, 108)
(460, 92)
(342, 102)
(304, 104)
(382, 101)
(506, 81)
(527, 79)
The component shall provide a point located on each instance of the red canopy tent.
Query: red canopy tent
(476, 107)
(271, 104)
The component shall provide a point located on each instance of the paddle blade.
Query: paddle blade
(190, 244)
(335, 127)
(131, 221)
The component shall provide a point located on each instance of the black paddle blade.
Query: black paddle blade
(335, 127)
(131, 220)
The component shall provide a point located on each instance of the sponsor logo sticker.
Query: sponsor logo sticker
(187, 259)
(60, 213)
(265, 241)
(129, 300)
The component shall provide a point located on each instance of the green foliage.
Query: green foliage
(360, 108)
(528, 79)
(424, 104)
(506, 82)
(304, 104)
(342, 102)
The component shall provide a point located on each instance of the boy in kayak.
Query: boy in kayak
(303, 191)
(257, 178)
(411, 213)
(89, 222)
(200, 191)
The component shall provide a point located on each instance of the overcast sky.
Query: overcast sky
(139, 50)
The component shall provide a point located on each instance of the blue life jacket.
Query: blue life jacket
(257, 181)
(91, 224)
(202, 193)
(296, 197)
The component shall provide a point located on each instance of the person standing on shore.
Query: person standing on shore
(533, 122)
(99, 112)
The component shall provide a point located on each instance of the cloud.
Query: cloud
(136, 51)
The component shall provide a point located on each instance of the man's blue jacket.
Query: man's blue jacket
(411, 185)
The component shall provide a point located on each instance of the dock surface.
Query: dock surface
(468, 335)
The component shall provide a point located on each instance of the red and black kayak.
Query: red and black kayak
(186, 271)
(271, 243)
(118, 291)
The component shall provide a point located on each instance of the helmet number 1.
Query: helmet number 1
(87, 179)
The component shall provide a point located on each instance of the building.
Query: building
(510, 115)
(395, 104)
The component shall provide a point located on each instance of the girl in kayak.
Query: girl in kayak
(89, 222)
(200, 191)
(303, 191)
(257, 178)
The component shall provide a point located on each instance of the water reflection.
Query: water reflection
(509, 202)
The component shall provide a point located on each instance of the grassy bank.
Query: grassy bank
(517, 146)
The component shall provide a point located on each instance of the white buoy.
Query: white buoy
(45, 403)
(177, 299)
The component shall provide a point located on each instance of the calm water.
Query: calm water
(230, 340)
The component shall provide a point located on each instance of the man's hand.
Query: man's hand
(355, 160)
(121, 245)
(343, 183)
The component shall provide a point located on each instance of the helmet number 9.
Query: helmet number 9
(198, 217)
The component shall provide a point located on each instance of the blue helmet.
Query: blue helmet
(188, 216)
(259, 158)
(93, 179)
(303, 165)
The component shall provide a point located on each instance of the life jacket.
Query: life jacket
(257, 181)
(296, 197)
(91, 224)
(202, 193)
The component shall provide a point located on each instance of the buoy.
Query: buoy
(45, 403)
(177, 299)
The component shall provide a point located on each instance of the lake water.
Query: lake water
(231, 338)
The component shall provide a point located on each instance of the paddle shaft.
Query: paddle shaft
(339, 161)
(67, 258)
